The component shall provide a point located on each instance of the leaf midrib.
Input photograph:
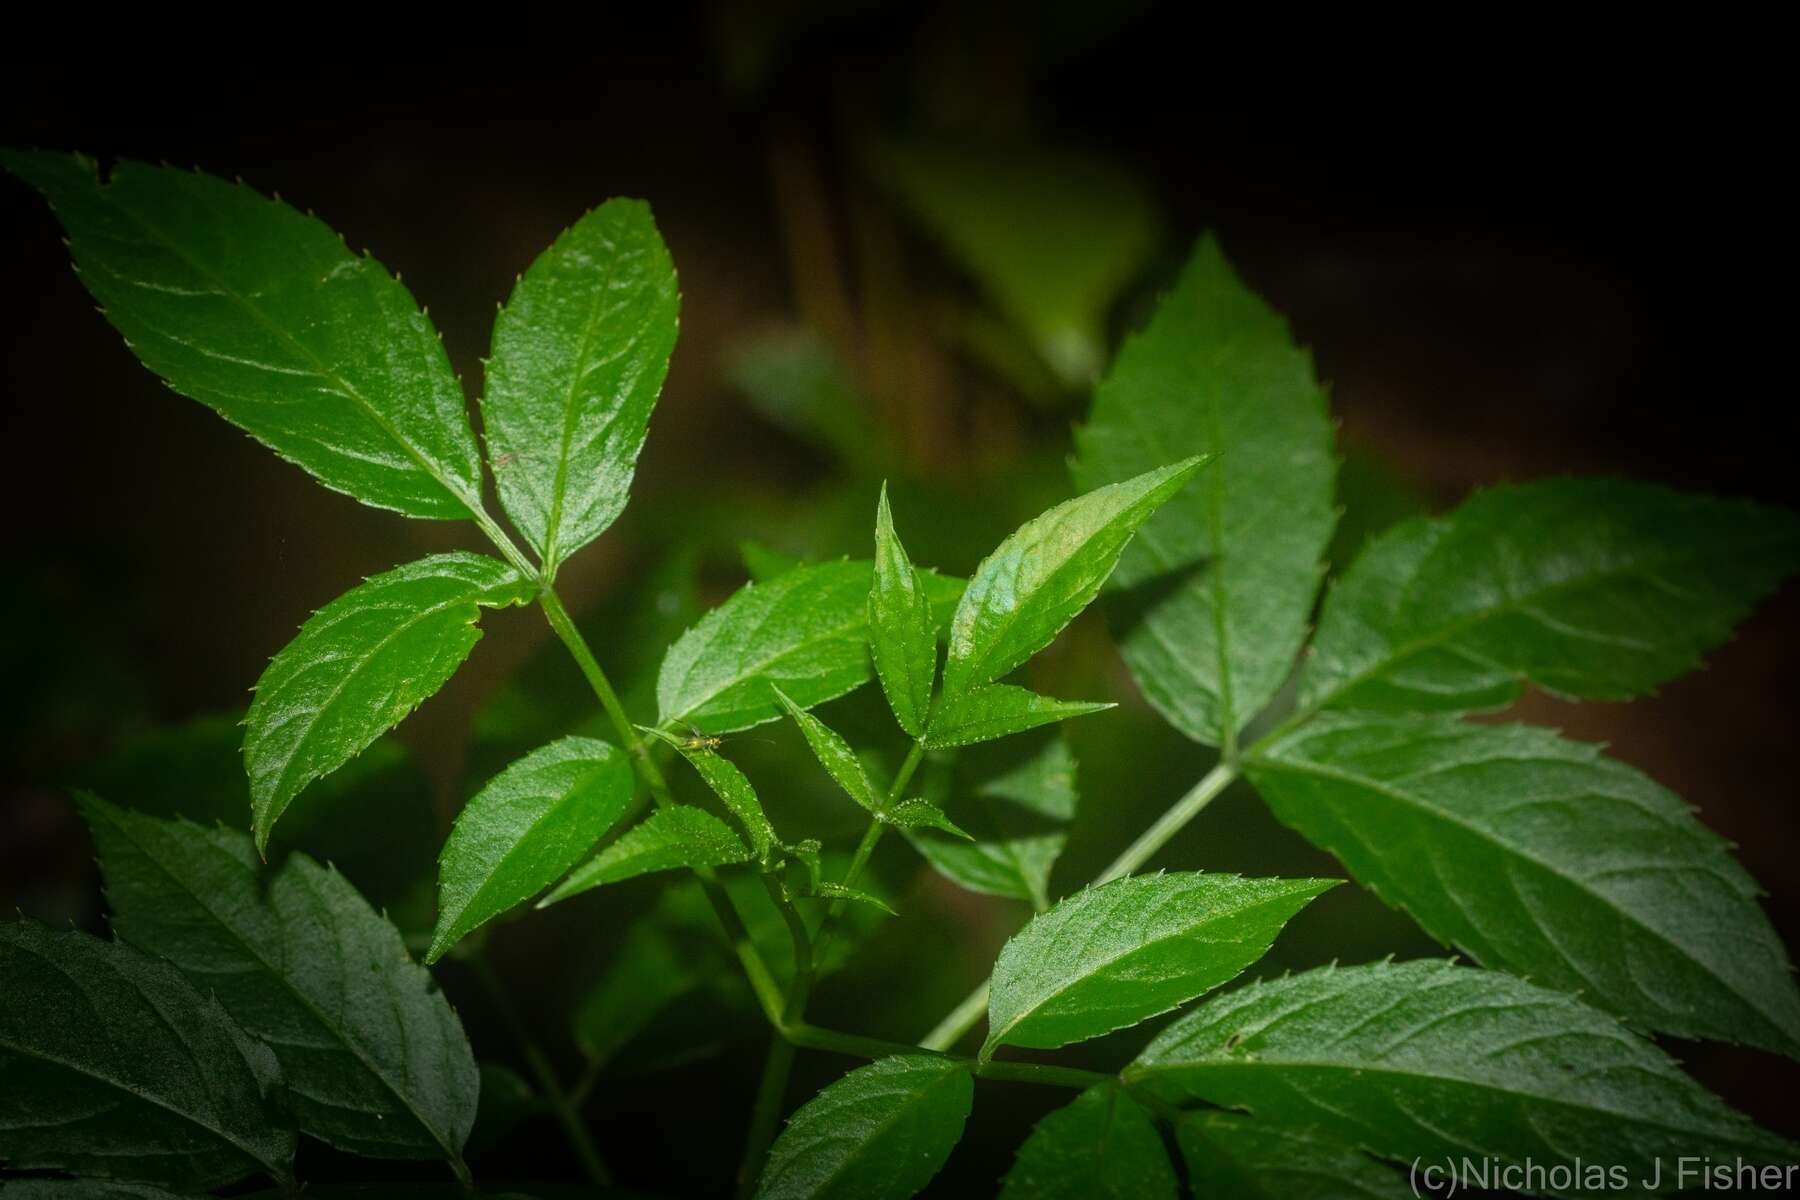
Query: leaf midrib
(275, 1170)
(996, 1037)
(913, 1096)
(1514, 851)
(454, 488)
(305, 1001)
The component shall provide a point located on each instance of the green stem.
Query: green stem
(857, 1046)
(762, 980)
(866, 847)
(963, 1017)
(507, 547)
(767, 1114)
(566, 1114)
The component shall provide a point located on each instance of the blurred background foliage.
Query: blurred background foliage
(910, 238)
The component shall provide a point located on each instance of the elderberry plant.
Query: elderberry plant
(242, 1003)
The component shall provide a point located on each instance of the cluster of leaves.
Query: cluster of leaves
(239, 1005)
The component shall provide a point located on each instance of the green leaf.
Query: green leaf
(999, 710)
(827, 890)
(1124, 951)
(1431, 1059)
(82, 1189)
(834, 754)
(580, 352)
(805, 631)
(1229, 1155)
(902, 635)
(1540, 856)
(1213, 597)
(375, 1057)
(1100, 1145)
(668, 838)
(1018, 811)
(1053, 236)
(525, 829)
(114, 1065)
(264, 315)
(731, 787)
(359, 666)
(922, 814)
(879, 1133)
(1038, 579)
(1589, 588)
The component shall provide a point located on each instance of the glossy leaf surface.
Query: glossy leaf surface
(1540, 856)
(1038, 579)
(805, 631)
(523, 831)
(375, 1057)
(1124, 951)
(731, 787)
(668, 838)
(1429, 1058)
(999, 710)
(262, 314)
(879, 1133)
(1212, 599)
(1590, 588)
(902, 634)
(834, 754)
(580, 352)
(115, 1065)
(359, 666)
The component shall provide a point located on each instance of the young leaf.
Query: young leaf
(837, 891)
(264, 315)
(1038, 579)
(375, 1057)
(834, 754)
(1428, 1058)
(1545, 859)
(806, 631)
(1590, 588)
(1124, 951)
(525, 829)
(1102, 1144)
(902, 635)
(359, 666)
(731, 787)
(1018, 812)
(580, 352)
(922, 814)
(1229, 1155)
(114, 1065)
(879, 1133)
(999, 710)
(683, 836)
(1213, 596)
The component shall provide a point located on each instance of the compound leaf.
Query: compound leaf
(879, 1133)
(1038, 579)
(375, 1057)
(1213, 596)
(806, 631)
(1100, 1145)
(1431, 1059)
(1541, 857)
(262, 314)
(668, 838)
(115, 1065)
(523, 831)
(359, 666)
(998, 710)
(1124, 951)
(902, 634)
(1230, 1155)
(1590, 588)
(580, 352)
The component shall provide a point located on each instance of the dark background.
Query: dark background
(1519, 244)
